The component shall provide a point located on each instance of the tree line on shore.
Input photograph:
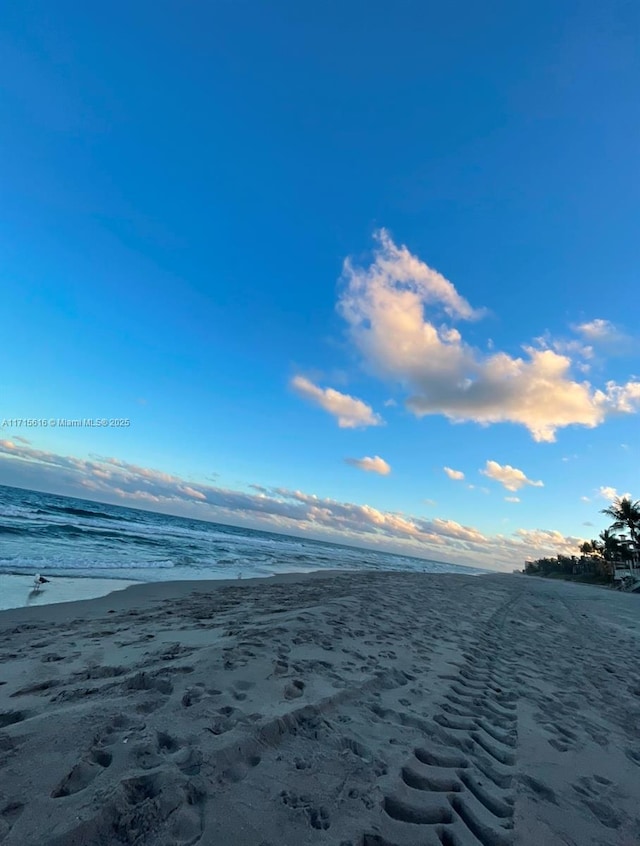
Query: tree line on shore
(617, 545)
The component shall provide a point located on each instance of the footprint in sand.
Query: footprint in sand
(633, 755)
(294, 690)
(9, 718)
(149, 706)
(137, 789)
(191, 697)
(83, 773)
(596, 792)
(318, 816)
(240, 769)
(224, 722)
(189, 761)
(146, 682)
(280, 667)
(538, 789)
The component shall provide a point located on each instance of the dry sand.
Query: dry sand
(380, 709)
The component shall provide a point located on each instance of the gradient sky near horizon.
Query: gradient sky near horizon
(363, 272)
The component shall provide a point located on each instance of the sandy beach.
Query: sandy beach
(386, 709)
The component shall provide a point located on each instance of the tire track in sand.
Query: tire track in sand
(456, 788)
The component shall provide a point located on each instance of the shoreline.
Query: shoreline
(20, 585)
(149, 592)
(322, 708)
(136, 593)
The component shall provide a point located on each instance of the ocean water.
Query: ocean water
(73, 540)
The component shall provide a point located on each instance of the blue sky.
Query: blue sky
(279, 236)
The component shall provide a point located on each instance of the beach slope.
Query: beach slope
(381, 709)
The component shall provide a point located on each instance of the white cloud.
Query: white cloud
(609, 493)
(429, 502)
(390, 403)
(351, 413)
(548, 541)
(512, 499)
(395, 267)
(371, 465)
(189, 491)
(572, 347)
(452, 529)
(585, 499)
(457, 475)
(397, 310)
(512, 478)
(623, 399)
(601, 331)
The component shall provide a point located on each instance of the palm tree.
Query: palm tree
(610, 544)
(626, 515)
(597, 548)
(611, 549)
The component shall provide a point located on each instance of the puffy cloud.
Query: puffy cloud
(609, 493)
(512, 478)
(548, 542)
(595, 329)
(601, 331)
(623, 399)
(397, 311)
(395, 268)
(351, 413)
(371, 465)
(451, 529)
(457, 475)
(274, 509)
(571, 347)
(512, 499)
